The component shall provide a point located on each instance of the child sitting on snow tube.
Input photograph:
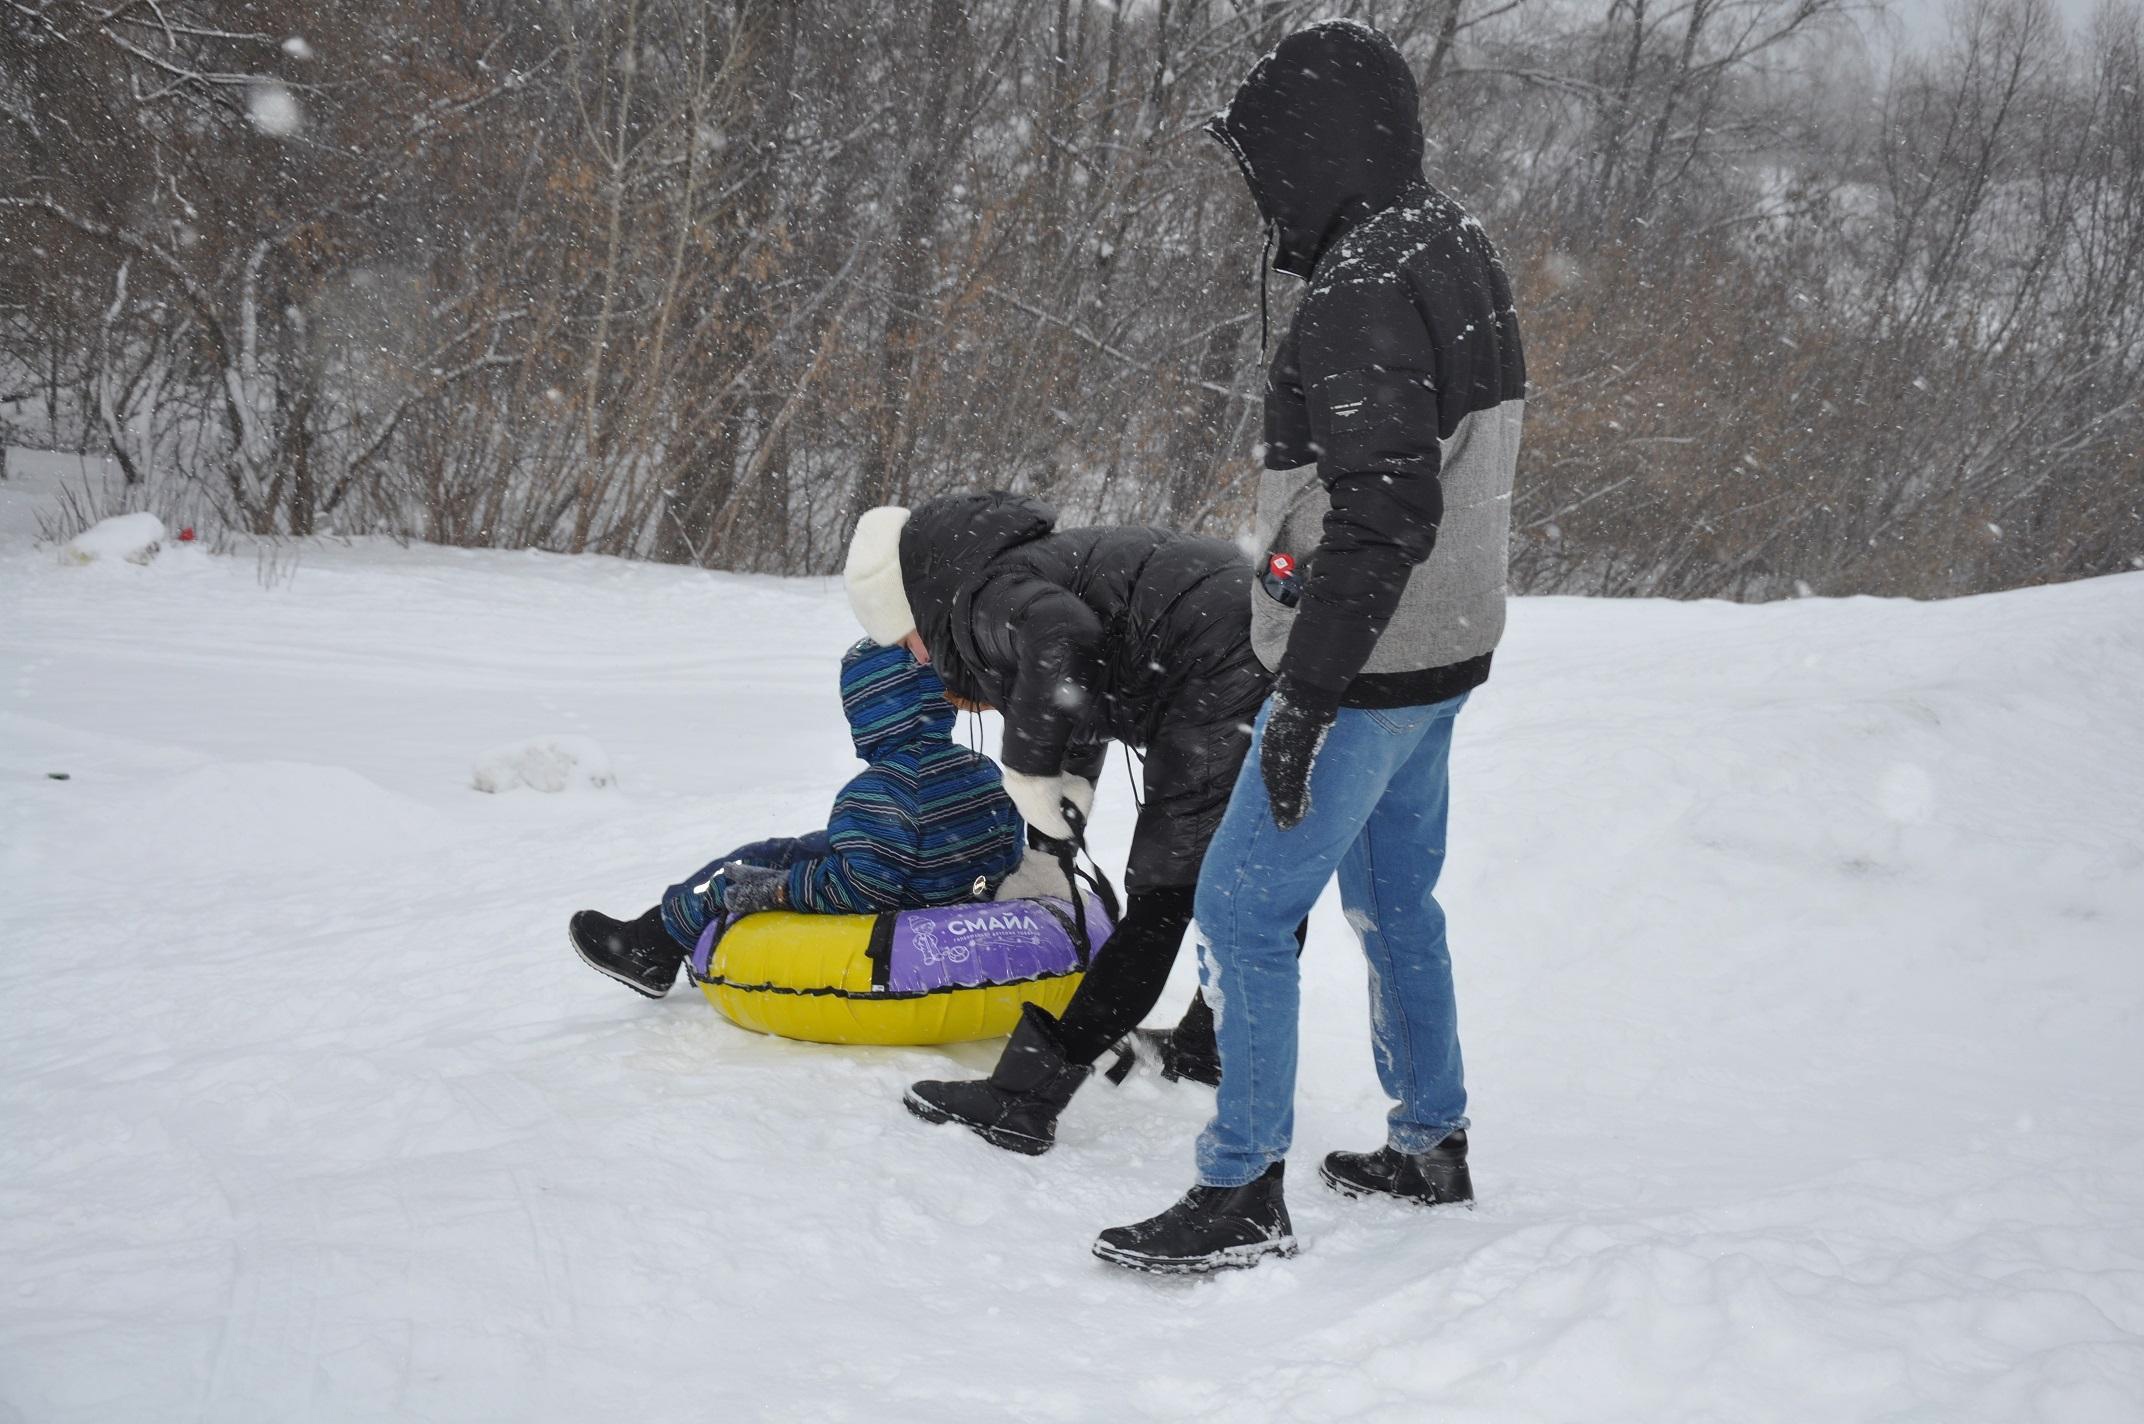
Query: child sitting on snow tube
(925, 824)
(908, 977)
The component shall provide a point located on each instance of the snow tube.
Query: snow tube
(918, 976)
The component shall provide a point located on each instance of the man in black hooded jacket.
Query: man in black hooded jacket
(1392, 431)
(1078, 637)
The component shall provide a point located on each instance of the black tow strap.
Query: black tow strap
(1068, 853)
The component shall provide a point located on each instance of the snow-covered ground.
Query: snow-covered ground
(1802, 965)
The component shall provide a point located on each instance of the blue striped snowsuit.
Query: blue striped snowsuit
(926, 823)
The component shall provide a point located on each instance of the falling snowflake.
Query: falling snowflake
(274, 109)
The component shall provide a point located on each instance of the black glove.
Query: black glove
(1292, 737)
(749, 889)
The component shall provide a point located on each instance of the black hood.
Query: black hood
(1327, 134)
(945, 544)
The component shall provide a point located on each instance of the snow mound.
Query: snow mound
(136, 538)
(275, 817)
(564, 762)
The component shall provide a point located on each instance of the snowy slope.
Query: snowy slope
(1801, 972)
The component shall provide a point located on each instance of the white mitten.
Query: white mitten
(1041, 799)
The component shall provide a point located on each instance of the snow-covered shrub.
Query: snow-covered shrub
(136, 538)
(564, 762)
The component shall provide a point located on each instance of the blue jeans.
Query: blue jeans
(1379, 793)
(686, 911)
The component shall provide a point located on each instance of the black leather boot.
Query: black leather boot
(637, 953)
(1437, 1177)
(1016, 1107)
(1211, 1229)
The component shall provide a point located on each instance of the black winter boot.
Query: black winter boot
(1437, 1177)
(1191, 1051)
(1016, 1107)
(1211, 1229)
(637, 953)
(1186, 1051)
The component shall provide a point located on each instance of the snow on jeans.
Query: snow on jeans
(1379, 793)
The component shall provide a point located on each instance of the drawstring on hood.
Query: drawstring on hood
(1265, 320)
(1217, 126)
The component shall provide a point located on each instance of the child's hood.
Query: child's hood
(891, 699)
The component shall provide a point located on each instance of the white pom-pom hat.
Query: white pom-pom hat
(873, 575)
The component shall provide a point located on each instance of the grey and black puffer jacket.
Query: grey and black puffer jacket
(1394, 403)
(1081, 636)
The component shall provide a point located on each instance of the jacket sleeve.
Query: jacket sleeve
(1369, 383)
(1086, 759)
(864, 869)
(1057, 657)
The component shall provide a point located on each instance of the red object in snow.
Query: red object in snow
(186, 535)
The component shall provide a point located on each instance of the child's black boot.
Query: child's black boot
(637, 953)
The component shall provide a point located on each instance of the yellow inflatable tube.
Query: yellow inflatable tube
(916, 977)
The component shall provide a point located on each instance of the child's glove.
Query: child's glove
(749, 889)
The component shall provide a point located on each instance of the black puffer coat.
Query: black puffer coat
(1086, 636)
(1078, 637)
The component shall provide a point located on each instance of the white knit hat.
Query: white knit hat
(873, 575)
